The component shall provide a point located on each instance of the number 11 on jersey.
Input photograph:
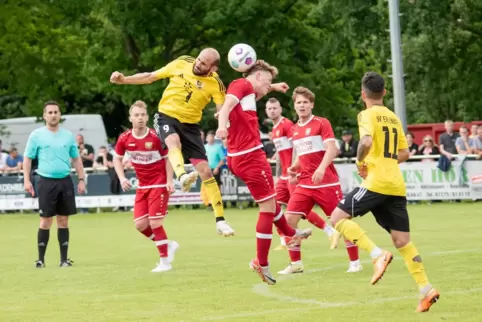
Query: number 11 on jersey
(388, 137)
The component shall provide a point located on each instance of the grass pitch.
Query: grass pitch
(111, 278)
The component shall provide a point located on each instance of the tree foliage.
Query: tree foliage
(66, 50)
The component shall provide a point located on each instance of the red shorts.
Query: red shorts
(254, 169)
(151, 202)
(284, 190)
(303, 199)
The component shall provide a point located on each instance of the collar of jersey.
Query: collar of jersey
(303, 124)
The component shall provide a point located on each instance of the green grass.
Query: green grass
(111, 279)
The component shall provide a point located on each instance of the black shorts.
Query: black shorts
(56, 197)
(192, 145)
(390, 212)
(217, 177)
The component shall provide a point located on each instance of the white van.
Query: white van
(17, 130)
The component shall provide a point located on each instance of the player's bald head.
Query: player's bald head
(206, 62)
(212, 55)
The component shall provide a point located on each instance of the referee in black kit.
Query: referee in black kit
(53, 146)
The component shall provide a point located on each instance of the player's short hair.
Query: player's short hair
(261, 65)
(373, 85)
(138, 103)
(51, 102)
(272, 100)
(303, 91)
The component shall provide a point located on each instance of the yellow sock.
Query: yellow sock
(352, 231)
(414, 264)
(214, 195)
(204, 195)
(177, 161)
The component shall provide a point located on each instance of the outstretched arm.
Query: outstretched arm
(136, 79)
(223, 116)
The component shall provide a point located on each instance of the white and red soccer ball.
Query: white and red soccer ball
(241, 57)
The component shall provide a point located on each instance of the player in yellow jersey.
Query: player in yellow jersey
(382, 147)
(193, 83)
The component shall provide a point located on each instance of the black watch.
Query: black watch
(81, 179)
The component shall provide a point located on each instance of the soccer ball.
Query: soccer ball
(241, 57)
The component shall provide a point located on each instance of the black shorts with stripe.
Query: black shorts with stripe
(389, 211)
(192, 145)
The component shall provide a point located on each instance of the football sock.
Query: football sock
(316, 220)
(295, 252)
(204, 196)
(148, 233)
(160, 238)
(212, 191)
(414, 264)
(63, 237)
(352, 250)
(42, 241)
(264, 234)
(352, 231)
(177, 161)
(282, 224)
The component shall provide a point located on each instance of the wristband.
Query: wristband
(81, 179)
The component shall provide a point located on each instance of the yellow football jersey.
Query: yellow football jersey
(187, 94)
(384, 174)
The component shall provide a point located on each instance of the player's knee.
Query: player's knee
(400, 239)
(204, 170)
(45, 223)
(338, 215)
(293, 220)
(62, 221)
(142, 224)
(267, 205)
(156, 223)
(173, 141)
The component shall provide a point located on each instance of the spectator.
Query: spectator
(104, 158)
(86, 152)
(269, 146)
(464, 144)
(348, 146)
(447, 140)
(473, 131)
(478, 142)
(14, 160)
(215, 154)
(428, 147)
(225, 153)
(3, 158)
(412, 146)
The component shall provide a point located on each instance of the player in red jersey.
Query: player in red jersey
(313, 169)
(284, 189)
(247, 160)
(154, 177)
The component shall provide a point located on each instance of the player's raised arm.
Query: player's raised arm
(143, 78)
(223, 116)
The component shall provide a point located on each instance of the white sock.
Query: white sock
(297, 263)
(355, 263)
(376, 252)
(328, 230)
(424, 290)
(282, 241)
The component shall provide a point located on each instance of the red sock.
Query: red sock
(295, 253)
(316, 220)
(264, 234)
(161, 240)
(281, 223)
(352, 250)
(280, 233)
(148, 233)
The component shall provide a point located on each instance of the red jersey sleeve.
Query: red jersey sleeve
(326, 131)
(238, 88)
(287, 125)
(120, 146)
(162, 150)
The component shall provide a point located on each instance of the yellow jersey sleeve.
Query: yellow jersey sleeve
(166, 71)
(219, 93)
(365, 124)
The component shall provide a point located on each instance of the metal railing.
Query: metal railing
(337, 160)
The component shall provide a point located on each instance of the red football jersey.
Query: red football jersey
(308, 140)
(283, 144)
(147, 156)
(243, 130)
